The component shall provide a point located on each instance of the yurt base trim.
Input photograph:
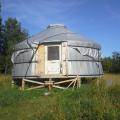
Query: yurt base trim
(75, 82)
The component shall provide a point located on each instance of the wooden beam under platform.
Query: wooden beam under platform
(76, 82)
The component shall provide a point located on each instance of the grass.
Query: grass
(114, 77)
(90, 102)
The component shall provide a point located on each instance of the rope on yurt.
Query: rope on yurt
(34, 52)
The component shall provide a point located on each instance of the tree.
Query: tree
(112, 64)
(107, 64)
(115, 62)
(1, 42)
(13, 33)
(1, 32)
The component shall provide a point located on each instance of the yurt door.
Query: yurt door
(53, 59)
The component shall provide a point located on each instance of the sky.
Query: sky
(97, 20)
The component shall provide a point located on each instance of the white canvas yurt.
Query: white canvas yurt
(56, 52)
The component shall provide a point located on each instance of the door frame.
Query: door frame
(46, 56)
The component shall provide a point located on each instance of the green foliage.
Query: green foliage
(90, 102)
(1, 36)
(1, 32)
(107, 64)
(12, 34)
(115, 62)
(112, 64)
(1, 43)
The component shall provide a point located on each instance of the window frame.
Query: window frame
(59, 57)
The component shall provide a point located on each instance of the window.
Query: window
(53, 53)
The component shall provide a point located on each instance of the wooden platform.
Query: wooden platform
(50, 83)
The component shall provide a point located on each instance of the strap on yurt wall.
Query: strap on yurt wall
(34, 52)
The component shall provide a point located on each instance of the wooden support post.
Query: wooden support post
(70, 84)
(31, 81)
(12, 83)
(65, 81)
(50, 86)
(74, 83)
(23, 85)
(78, 81)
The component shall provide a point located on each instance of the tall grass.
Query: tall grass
(114, 77)
(90, 102)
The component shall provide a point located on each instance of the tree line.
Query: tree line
(111, 64)
(11, 33)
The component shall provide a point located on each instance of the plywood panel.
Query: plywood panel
(40, 56)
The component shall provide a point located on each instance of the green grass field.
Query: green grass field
(90, 102)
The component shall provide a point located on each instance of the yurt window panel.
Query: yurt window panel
(53, 53)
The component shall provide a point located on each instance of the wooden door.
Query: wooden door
(53, 59)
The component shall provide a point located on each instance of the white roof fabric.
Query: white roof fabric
(56, 33)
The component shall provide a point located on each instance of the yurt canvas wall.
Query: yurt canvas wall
(56, 51)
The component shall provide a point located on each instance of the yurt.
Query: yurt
(56, 53)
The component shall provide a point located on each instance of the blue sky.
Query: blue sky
(98, 20)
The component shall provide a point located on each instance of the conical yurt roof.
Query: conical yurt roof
(56, 33)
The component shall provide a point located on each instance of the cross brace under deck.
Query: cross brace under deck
(76, 82)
